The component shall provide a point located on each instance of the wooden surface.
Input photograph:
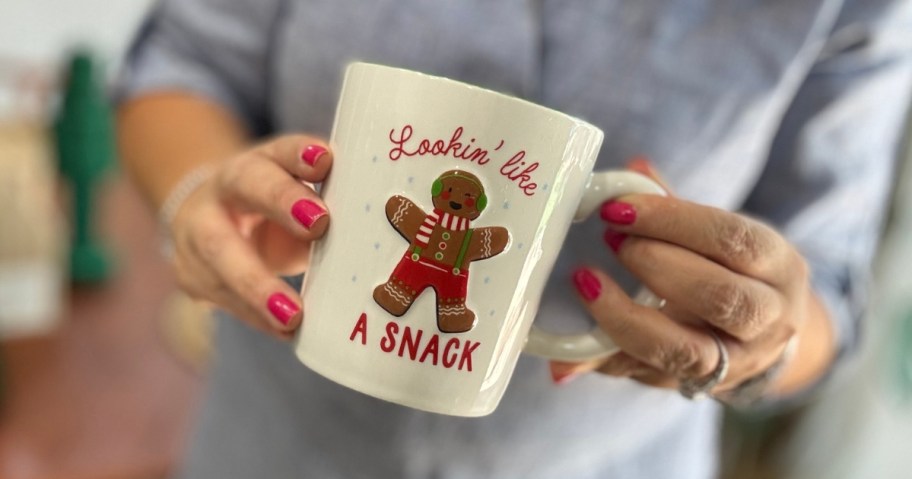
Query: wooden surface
(102, 397)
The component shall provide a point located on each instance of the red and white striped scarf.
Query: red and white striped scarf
(448, 221)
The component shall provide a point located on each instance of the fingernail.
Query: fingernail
(641, 164)
(618, 212)
(614, 239)
(282, 307)
(562, 373)
(307, 212)
(312, 153)
(587, 284)
(561, 379)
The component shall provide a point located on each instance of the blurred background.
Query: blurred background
(102, 361)
(94, 382)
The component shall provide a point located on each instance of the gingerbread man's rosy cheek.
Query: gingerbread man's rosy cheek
(469, 202)
(445, 195)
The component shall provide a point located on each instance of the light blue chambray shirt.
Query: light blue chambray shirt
(790, 110)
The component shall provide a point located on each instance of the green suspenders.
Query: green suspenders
(462, 250)
(416, 251)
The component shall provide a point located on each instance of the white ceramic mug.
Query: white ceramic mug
(449, 206)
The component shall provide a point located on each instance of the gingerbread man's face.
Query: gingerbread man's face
(459, 194)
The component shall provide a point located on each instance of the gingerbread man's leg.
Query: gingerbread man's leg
(404, 285)
(453, 316)
(394, 297)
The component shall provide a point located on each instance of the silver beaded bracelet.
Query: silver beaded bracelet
(189, 183)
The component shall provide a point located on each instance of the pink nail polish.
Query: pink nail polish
(312, 153)
(614, 240)
(307, 212)
(618, 212)
(282, 307)
(562, 378)
(587, 284)
(641, 165)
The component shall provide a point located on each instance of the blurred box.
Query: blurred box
(32, 233)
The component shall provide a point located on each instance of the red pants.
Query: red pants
(416, 275)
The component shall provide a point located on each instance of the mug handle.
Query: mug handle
(595, 344)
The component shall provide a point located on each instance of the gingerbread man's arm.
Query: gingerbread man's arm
(487, 242)
(405, 216)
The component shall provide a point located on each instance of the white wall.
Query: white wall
(40, 30)
(35, 36)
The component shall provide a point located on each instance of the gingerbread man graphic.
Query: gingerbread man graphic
(442, 245)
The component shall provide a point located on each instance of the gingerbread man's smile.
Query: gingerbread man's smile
(456, 206)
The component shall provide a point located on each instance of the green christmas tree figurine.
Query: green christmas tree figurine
(85, 152)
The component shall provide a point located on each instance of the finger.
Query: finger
(242, 273)
(265, 187)
(200, 282)
(623, 365)
(619, 364)
(741, 306)
(281, 252)
(739, 243)
(645, 333)
(656, 379)
(305, 157)
(564, 372)
(682, 315)
(249, 315)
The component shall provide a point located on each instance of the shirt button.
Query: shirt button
(446, 235)
(442, 245)
(438, 256)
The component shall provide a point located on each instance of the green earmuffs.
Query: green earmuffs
(437, 188)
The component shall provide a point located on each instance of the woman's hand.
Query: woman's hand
(718, 271)
(251, 221)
